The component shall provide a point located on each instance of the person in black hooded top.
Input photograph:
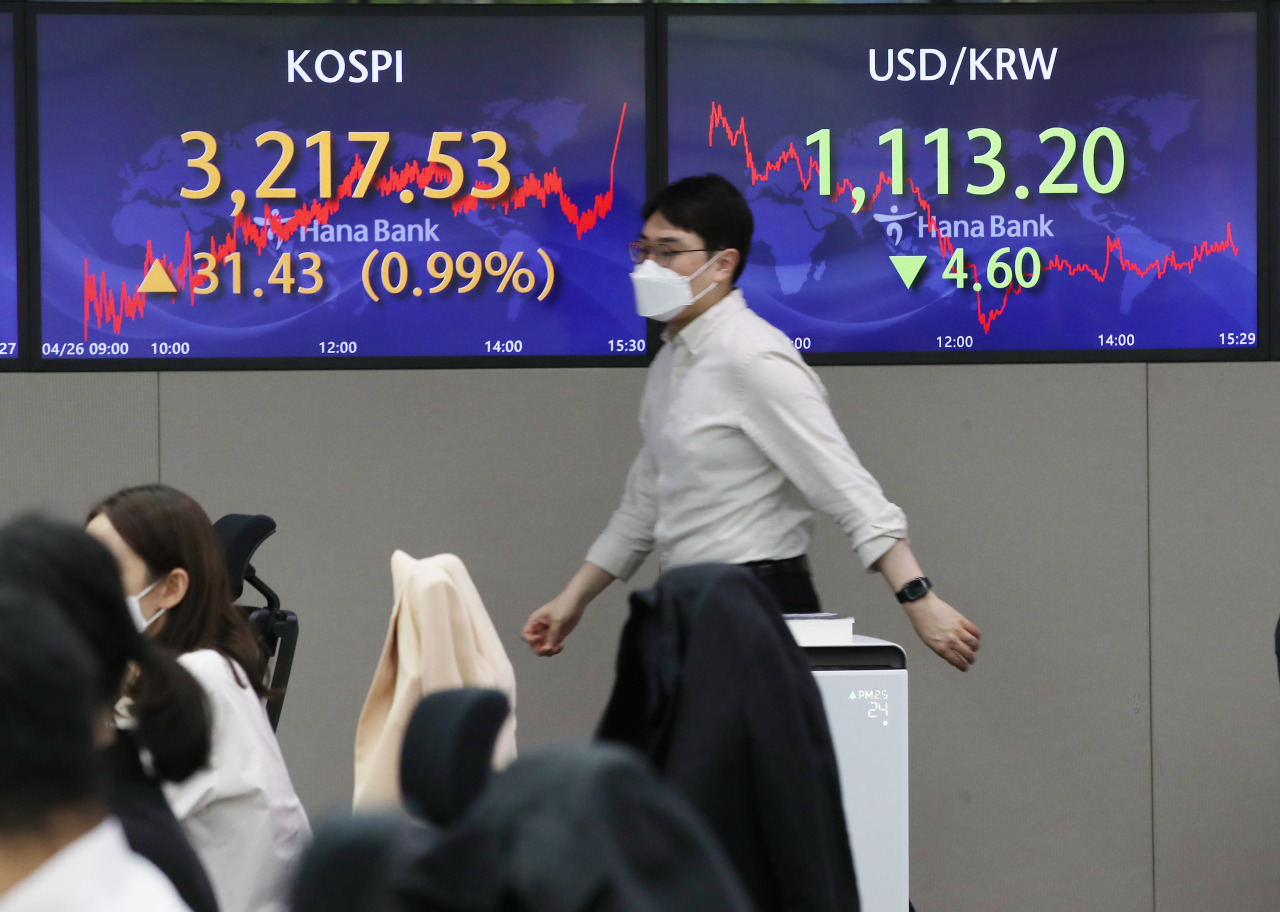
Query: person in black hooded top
(79, 575)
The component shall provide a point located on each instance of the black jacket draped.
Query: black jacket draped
(712, 687)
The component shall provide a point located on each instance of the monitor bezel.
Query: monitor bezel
(34, 309)
(1265, 27)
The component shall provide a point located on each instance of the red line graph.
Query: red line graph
(1056, 263)
(739, 134)
(102, 304)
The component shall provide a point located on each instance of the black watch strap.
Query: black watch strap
(914, 590)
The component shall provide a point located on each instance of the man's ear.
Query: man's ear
(726, 265)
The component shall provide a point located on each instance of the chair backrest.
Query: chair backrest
(347, 868)
(241, 534)
(277, 629)
(448, 750)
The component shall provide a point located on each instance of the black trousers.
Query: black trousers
(794, 592)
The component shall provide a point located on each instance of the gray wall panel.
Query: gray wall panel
(1215, 523)
(1026, 489)
(67, 440)
(1026, 496)
(514, 471)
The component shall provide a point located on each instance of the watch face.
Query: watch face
(916, 589)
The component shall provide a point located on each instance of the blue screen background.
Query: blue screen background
(117, 91)
(1182, 99)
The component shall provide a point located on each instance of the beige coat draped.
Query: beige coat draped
(440, 637)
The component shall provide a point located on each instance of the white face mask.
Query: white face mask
(134, 603)
(662, 293)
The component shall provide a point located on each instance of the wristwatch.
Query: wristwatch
(914, 590)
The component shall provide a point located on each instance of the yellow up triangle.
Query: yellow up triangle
(158, 281)
(908, 267)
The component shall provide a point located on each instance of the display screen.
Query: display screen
(231, 186)
(9, 324)
(985, 182)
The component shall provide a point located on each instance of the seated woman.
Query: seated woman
(77, 574)
(241, 812)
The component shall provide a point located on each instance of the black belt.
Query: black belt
(792, 566)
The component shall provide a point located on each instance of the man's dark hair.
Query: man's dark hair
(47, 709)
(710, 207)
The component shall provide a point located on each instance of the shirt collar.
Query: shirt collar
(704, 324)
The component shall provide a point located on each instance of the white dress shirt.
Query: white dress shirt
(739, 448)
(240, 812)
(95, 873)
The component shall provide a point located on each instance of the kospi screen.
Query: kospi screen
(986, 184)
(295, 187)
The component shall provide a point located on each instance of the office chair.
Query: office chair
(448, 751)
(348, 867)
(241, 534)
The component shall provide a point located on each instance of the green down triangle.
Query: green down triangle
(908, 267)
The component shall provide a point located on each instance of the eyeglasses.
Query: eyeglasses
(659, 253)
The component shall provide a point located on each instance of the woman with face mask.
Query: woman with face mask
(241, 812)
(740, 445)
(171, 724)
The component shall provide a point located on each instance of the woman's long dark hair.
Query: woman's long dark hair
(168, 530)
(78, 574)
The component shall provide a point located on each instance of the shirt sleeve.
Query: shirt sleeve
(628, 538)
(785, 413)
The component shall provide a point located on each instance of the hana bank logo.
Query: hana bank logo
(261, 222)
(893, 224)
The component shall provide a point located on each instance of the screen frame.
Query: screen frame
(33, 307)
(1270, 106)
(1266, 186)
(20, 184)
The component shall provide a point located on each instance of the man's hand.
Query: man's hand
(549, 625)
(944, 630)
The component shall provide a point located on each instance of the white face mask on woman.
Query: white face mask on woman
(134, 603)
(662, 293)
